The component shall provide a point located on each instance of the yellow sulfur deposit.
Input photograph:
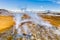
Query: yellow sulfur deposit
(6, 22)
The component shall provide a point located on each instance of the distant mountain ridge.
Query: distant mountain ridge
(5, 12)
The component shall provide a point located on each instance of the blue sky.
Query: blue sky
(31, 4)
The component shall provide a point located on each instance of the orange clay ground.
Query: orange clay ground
(54, 20)
(6, 22)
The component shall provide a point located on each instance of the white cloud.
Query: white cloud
(58, 2)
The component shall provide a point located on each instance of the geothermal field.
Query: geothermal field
(29, 26)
